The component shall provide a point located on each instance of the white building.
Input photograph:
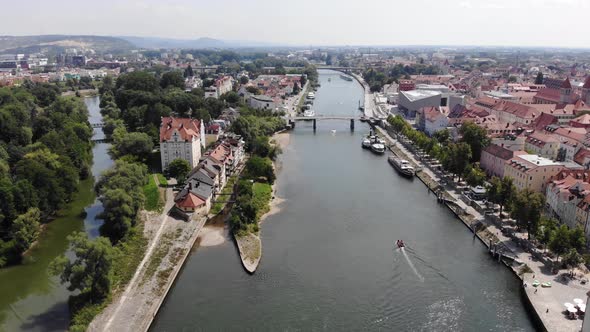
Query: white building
(411, 101)
(221, 85)
(181, 138)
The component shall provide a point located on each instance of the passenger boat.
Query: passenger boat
(346, 77)
(402, 166)
(309, 113)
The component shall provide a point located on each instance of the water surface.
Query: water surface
(329, 258)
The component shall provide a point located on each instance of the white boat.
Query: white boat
(366, 144)
(311, 95)
(333, 131)
(346, 77)
(378, 148)
(402, 166)
(309, 113)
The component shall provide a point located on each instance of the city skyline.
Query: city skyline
(525, 23)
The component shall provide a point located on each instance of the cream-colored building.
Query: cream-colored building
(531, 171)
(181, 138)
(544, 145)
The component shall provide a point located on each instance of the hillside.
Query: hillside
(157, 42)
(57, 43)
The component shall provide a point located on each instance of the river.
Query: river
(329, 261)
(31, 299)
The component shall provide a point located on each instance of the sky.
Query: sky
(555, 23)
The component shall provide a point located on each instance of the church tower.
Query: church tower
(565, 92)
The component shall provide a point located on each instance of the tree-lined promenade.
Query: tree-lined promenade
(524, 206)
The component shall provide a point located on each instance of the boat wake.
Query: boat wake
(403, 251)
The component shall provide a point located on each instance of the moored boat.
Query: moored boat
(402, 166)
(366, 144)
(346, 77)
(309, 113)
(377, 147)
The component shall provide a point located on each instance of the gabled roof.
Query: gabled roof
(189, 200)
(187, 128)
(201, 176)
(499, 152)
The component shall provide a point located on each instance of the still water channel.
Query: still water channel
(329, 262)
(31, 299)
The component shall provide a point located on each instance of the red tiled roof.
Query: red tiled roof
(187, 128)
(499, 152)
(190, 200)
(544, 120)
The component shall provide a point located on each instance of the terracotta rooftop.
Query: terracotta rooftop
(187, 128)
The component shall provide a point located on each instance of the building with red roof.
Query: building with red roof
(181, 138)
(556, 92)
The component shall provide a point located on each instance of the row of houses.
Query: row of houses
(210, 175)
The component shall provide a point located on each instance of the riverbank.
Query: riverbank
(170, 242)
(546, 304)
(250, 245)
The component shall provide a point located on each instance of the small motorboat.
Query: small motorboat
(363, 119)
(400, 244)
(333, 131)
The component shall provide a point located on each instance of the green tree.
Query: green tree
(179, 169)
(540, 79)
(257, 167)
(231, 97)
(244, 80)
(572, 259)
(90, 271)
(443, 136)
(577, 238)
(118, 215)
(476, 137)
(475, 176)
(188, 72)
(25, 229)
(172, 79)
(559, 243)
(545, 230)
(136, 144)
(526, 209)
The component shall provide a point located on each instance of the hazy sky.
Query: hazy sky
(313, 22)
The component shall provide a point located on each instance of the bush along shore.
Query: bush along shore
(253, 191)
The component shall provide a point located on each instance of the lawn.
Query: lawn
(162, 180)
(152, 195)
(261, 195)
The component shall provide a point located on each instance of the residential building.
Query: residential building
(221, 85)
(531, 171)
(181, 138)
(494, 157)
(556, 91)
(544, 145)
(432, 119)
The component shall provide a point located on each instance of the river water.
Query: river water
(329, 262)
(31, 299)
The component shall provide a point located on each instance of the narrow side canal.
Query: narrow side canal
(31, 299)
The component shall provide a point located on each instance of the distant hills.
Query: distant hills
(157, 42)
(58, 43)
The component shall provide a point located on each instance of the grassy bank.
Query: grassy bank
(261, 196)
(153, 197)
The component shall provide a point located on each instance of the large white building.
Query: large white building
(181, 138)
(221, 85)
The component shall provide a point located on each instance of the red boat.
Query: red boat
(400, 244)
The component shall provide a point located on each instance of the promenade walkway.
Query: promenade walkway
(547, 302)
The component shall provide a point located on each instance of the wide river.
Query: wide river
(30, 298)
(329, 262)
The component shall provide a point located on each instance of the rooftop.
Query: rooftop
(414, 95)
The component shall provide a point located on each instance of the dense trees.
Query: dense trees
(376, 78)
(526, 209)
(539, 79)
(121, 193)
(172, 79)
(45, 150)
